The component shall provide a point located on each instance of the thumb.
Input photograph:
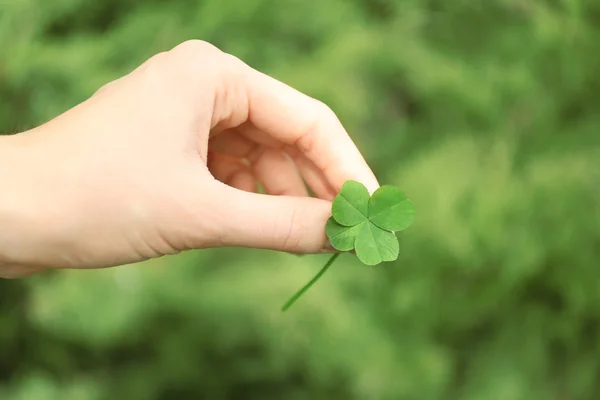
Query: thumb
(285, 223)
(13, 271)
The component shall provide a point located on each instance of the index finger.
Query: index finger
(299, 120)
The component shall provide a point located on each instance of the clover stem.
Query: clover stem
(309, 284)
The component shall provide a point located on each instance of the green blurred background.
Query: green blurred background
(486, 113)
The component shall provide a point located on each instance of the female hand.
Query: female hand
(167, 158)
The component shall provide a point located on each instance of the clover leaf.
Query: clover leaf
(366, 224)
(390, 209)
(341, 237)
(351, 205)
(373, 245)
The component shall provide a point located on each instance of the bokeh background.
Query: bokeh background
(486, 113)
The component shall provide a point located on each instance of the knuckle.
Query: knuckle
(157, 57)
(153, 63)
(186, 66)
(196, 48)
(197, 55)
(292, 238)
(232, 62)
(193, 57)
(323, 110)
(320, 113)
(154, 73)
(306, 139)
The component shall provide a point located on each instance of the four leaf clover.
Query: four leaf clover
(367, 224)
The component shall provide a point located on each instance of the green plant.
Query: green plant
(366, 225)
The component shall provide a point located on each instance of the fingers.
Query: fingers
(242, 140)
(232, 143)
(274, 168)
(236, 143)
(299, 120)
(285, 223)
(231, 171)
(244, 94)
(313, 176)
(277, 172)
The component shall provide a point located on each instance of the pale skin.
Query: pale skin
(167, 159)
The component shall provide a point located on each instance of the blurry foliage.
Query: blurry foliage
(485, 112)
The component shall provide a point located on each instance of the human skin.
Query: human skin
(166, 159)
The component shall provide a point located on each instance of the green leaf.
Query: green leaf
(350, 207)
(342, 237)
(374, 245)
(390, 209)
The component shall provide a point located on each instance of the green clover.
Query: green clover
(366, 224)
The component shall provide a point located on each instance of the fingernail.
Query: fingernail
(328, 248)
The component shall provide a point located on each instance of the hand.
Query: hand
(167, 159)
